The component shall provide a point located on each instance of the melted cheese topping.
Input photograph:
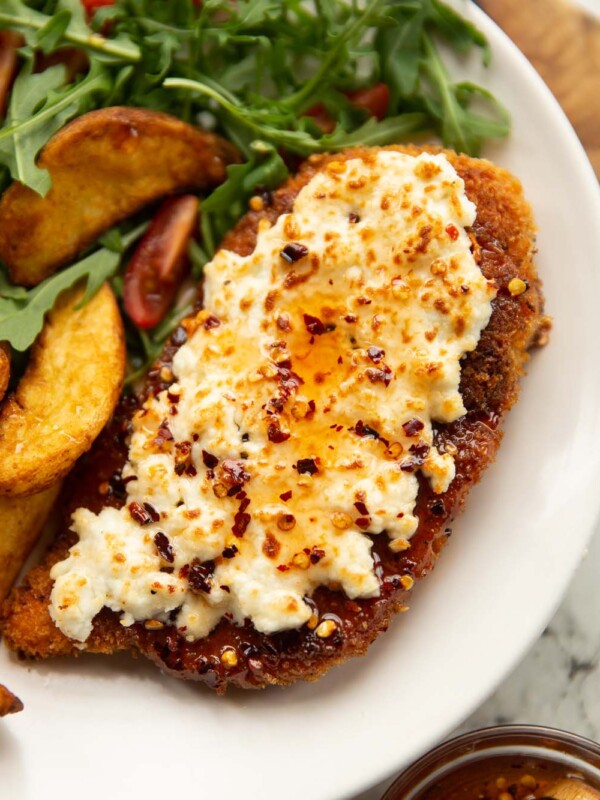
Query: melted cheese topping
(301, 413)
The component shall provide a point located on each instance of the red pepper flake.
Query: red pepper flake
(283, 568)
(353, 217)
(361, 508)
(199, 576)
(245, 502)
(380, 375)
(376, 354)
(413, 426)
(306, 466)
(195, 437)
(365, 431)
(316, 554)
(350, 318)
(154, 515)
(229, 552)
(144, 513)
(191, 471)
(235, 473)
(421, 450)
(183, 572)
(240, 524)
(314, 325)
(173, 397)
(452, 232)
(163, 545)
(286, 496)
(293, 252)
(410, 465)
(275, 434)
(209, 460)
(225, 588)
(363, 301)
(211, 322)
(163, 434)
(363, 522)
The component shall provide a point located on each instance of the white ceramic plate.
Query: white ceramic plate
(115, 728)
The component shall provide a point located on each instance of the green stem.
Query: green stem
(438, 74)
(91, 41)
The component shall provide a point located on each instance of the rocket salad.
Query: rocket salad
(281, 79)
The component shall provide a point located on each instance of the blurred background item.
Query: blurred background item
(562, 41)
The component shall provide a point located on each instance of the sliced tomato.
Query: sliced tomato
(160, 262)
(321, 116)
(91, 5)
(374, 99)
(9, 44)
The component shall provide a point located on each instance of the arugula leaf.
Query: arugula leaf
(38, 108)
(227, 203)
(49, 36)
(28, 94)
(22, 312)
(372, 133)
(17, 15)
(252, 69)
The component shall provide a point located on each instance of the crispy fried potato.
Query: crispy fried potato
(9, 704)
(4, 368)
(65, 397)
(21, 523)
(105, 165)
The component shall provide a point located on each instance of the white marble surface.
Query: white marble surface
(558, 682)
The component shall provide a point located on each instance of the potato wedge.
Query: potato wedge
(9, 704)
(105, 165)
(65, 397)
(4, 368)
(21, 522)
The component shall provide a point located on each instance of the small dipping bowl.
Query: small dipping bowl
(506, 762)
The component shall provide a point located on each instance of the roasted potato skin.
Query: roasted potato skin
(105, 165)
(66, 395)
(9, 704)
(4, 368)
(21, 522)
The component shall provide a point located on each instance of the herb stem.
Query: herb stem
(127, 51)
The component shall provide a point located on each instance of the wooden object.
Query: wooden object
(563, 44)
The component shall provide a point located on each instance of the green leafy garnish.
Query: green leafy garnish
(22, 311)
(257, 71)
(22, 316)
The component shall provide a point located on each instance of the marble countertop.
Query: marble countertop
(558, 682)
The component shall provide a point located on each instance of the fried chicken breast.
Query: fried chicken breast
(247, 652)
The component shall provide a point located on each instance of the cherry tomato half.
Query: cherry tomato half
(374, 99)
(159, 262)
(91, 5)
(9, 44)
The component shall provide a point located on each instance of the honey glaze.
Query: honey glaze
(501, 778)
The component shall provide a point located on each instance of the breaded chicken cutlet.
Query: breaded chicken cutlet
(221, 628)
